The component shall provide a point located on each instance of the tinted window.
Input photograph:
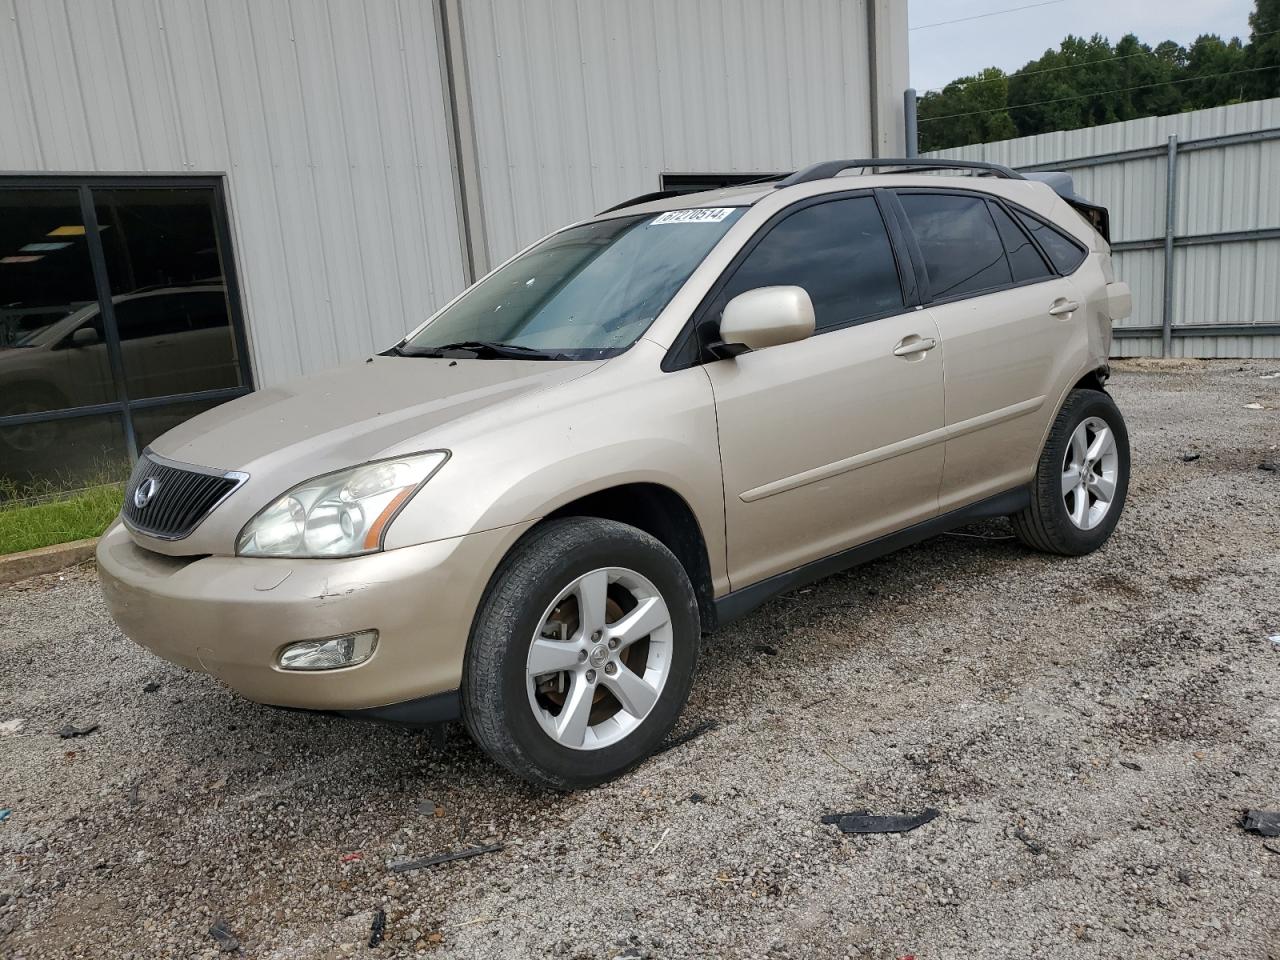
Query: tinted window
(838, 252)
(173, 333)
(52, 353)
(1066, 256)
(1024, 259)
(162, 257)
(962, 250)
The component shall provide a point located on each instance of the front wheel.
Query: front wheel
(582, 653)
(1081, 479)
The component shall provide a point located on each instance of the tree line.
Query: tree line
(1086, 82)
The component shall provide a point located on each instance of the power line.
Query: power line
(983, 16)
(1100, 93)
(1018, 74)
(1032, 73)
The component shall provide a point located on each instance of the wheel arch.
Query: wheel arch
(665, 515)
(1094, 379)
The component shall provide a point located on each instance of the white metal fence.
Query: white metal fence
(1195, 221)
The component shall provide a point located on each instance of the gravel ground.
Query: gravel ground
(1091, 730)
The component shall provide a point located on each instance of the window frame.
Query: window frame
(1012, 209)
(687, 350)
(123, 406)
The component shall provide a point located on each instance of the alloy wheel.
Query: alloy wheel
(1089, 473)
(599, 659)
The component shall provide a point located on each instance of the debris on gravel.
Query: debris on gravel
(404, 866)
(377, 929)
(227, 941)
(70, 732)
(863, 821)
(1265, 823)
(1010, 690)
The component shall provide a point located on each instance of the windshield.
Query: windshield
(582, 294)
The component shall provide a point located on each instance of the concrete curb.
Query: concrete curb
(30, 563)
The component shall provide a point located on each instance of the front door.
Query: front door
(832, 441)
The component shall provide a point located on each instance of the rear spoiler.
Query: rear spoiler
(1063, 186)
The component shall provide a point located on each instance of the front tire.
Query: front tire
(582, 653)
(1081, 480)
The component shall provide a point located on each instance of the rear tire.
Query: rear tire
(1081, 480)
(581, 608)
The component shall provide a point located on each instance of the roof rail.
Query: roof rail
(643, 198)
(829, 168)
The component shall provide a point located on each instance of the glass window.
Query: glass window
(60, 455)
(962, 250)
(1024, 259)
(173, 332)
(1064, 253)
(52, 351)
(838, 251)
(584, 293)
(167, 290)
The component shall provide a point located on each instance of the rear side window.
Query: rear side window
(1024, 259)
(1065, 254)
(959, 241)
(837, 251)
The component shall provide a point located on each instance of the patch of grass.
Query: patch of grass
(26, 525)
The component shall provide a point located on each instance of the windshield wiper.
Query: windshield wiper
(488, 349)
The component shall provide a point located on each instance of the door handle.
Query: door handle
(1063, 308)
(911, 345)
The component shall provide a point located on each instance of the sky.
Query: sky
(943, 53)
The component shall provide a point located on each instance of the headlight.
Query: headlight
(340, 514)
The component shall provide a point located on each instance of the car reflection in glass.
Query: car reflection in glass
(172, 340)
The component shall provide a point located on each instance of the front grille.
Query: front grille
(177, 497)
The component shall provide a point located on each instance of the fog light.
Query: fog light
(331, 653)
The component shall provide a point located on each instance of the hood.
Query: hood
(355, 413)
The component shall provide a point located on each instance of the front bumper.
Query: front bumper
(230, 616)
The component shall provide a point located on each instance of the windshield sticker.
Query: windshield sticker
(698, 215)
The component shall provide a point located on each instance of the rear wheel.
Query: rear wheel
(582, 653)
(1081, 480)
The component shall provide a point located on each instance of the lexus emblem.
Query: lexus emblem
(144, 492)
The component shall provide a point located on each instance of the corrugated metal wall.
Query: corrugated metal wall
(332, 123)
(1228, 188)
(329, 120)
(581, 105)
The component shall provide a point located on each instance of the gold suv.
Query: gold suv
(527, 512)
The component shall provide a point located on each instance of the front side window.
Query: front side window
(958, 239)
(585, 293)
(837, 251)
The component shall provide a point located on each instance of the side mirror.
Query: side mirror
(764, 317)
(85, 337)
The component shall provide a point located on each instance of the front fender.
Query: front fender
(637, 425)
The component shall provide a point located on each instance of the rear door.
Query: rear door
(834, 440)
(1006, 319)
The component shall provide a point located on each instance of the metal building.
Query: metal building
(1195, 221)
(198, 199)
